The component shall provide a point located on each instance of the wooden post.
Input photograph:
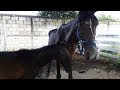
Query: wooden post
(63, 21)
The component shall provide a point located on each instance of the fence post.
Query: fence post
(5, 32)
(31, 18)
(108, 24)
(63, 21)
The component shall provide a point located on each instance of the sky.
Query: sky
(20, 12)
(114, 14)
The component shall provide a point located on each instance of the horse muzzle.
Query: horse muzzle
(90, 56)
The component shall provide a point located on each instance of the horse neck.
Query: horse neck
(45, 55)
(71, 45)
(71, 30)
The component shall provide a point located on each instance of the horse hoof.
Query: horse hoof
(58, 77)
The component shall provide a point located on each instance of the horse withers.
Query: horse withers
(25, 64)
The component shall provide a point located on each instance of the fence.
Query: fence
(108, 39)
(109, 46)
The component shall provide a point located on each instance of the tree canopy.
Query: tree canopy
(57, 14)
(102, 17)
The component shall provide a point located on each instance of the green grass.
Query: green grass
(110, 52)
(116, 64)
(113, 62)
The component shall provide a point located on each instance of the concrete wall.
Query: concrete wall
(18, 31)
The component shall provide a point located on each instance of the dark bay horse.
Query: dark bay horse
(80, 31)
(25, 64)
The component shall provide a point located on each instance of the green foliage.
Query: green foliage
(102, 17)
(57, 14)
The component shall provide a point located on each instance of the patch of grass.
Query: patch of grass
(110, 52)
(115, 63)
(105, 58)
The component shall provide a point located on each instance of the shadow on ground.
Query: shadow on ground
(83, 69)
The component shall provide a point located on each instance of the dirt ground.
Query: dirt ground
(83, 69)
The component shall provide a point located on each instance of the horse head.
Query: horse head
(87, 23)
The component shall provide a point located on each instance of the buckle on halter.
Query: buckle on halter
(80, 47)
(80, 42)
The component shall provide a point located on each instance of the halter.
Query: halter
(83, 42)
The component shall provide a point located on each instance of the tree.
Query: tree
(103, 17)
(57, 14)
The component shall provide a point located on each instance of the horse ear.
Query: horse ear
(81, 13)
(84, 14)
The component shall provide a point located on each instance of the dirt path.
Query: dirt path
(83, 69)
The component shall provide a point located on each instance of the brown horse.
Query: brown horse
(81, 31)
(25, 64)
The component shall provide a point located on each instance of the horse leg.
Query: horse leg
(58, 70)
(70, 68)
(48, 71)
(71, 52)
(70, 73)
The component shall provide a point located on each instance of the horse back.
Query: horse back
(54, 36)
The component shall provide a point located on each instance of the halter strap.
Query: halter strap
(83, 42)
(88, 42)
(79, 42)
